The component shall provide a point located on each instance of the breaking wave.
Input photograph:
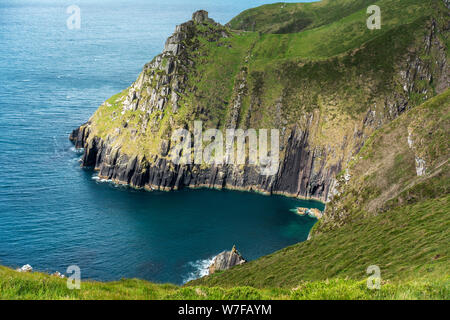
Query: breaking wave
(201, 269)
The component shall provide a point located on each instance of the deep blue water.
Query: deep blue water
(53, 213)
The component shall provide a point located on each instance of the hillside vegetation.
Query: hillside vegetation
(386, 215)
(282, 18)
(14, 285)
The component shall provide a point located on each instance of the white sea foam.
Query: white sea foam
(80, 150)
(98, 179)
(201, 269)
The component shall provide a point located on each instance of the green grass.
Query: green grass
(406, 243)
(218, 64)
(294, 17)
(340, 26)
(39, 286)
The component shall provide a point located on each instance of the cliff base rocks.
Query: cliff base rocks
(226, 260)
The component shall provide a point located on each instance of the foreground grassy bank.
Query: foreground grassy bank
(15, 285)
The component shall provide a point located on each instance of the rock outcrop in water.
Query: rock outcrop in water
(128, 139)
(313, 212)
(226, 260)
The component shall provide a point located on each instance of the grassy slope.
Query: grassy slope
(294, 17)
(14, 285)
(408, 237)
(342, 31)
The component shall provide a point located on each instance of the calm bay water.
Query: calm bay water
(53, 213)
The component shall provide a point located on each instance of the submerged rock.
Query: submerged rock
(226, 260)
(313, 213)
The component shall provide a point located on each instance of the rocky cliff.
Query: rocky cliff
(325, 103)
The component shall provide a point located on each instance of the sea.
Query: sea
(53, 213)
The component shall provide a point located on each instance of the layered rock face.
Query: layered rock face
(226, 260)
(128, 139)
(295, 177)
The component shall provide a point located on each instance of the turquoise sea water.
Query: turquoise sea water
(53, 213)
